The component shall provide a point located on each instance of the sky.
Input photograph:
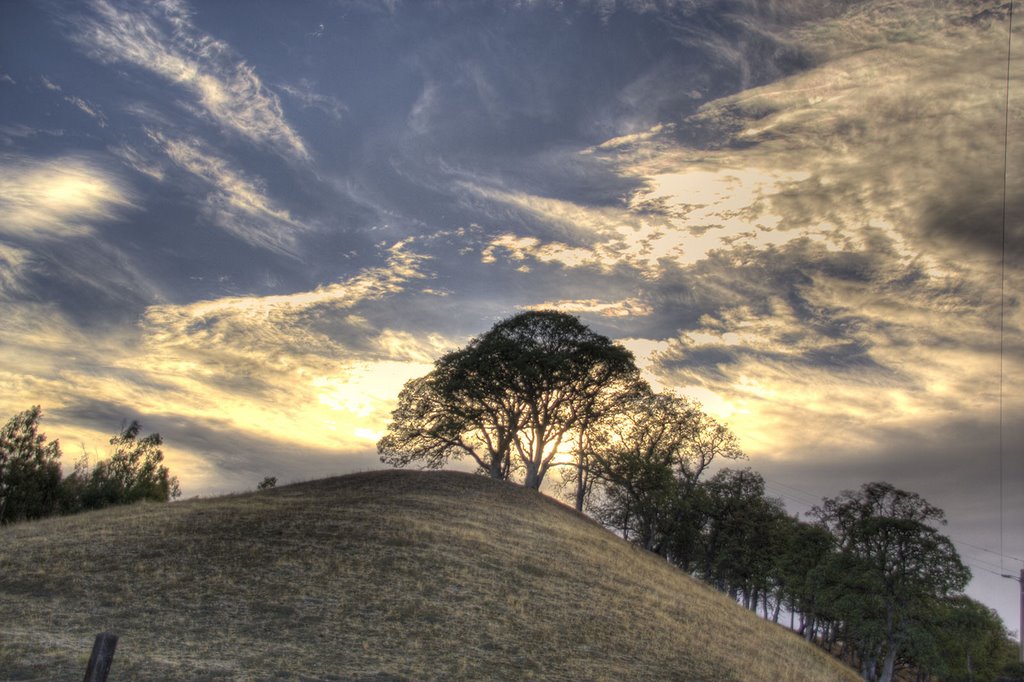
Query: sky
(247, 223)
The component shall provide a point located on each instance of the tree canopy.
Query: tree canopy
(512, 400)
(648, 455)
(891, 566)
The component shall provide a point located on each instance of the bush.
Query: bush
(133, 472)
(29, 469)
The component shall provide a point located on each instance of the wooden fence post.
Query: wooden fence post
(101, 658)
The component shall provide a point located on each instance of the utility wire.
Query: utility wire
(1002, 265)
(986, 549)
(982, 561)
(982, 568)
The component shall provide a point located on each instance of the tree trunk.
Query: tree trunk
(581, 485)
(532, 479)
(889, 665)
(496, 469)
(868, 669)
(889, 662)
(808, 628)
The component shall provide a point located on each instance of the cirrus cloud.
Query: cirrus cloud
(162, 39)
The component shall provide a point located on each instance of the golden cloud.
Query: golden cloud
(62, 197)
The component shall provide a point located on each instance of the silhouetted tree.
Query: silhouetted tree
(608, 405)
(800, 572)
(511, 400)
(649, 455)
(29, 469)
(267, 483)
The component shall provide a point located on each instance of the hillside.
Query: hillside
(376, 576)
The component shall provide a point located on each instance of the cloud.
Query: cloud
(827, 267)
(9, 134)
(630, 307)
(60, 197)
(303, 92)
(137, 161)
(237, 204)
(88, 109)
(85, 107)
(309, 375)
(677, 217)
(265, 363)
(13, 262)
(521, 249)
(162, 39)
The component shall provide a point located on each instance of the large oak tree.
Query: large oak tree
(512, 400)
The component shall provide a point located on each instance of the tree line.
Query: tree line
(32, 484)
(869, 577)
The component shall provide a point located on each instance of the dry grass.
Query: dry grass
(379, 576)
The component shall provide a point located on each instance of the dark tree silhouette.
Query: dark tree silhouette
(649, 454)
(512, 399)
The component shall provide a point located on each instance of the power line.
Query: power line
(983, 561)
(982, 568)
(788, 496)
(986, 549)
(1002, 264)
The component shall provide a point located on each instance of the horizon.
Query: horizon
(248, 227)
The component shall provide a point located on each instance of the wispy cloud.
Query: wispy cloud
(11, 134)
(60, 197)
(304, 93)
(238, 204)
(138, 161)
(13, 262)
(162, 39)
(629, 307)
(85, 107)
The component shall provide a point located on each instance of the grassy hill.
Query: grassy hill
(376, 576)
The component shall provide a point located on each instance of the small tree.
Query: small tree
(134, 472)
(267, 483)
(29, 469)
